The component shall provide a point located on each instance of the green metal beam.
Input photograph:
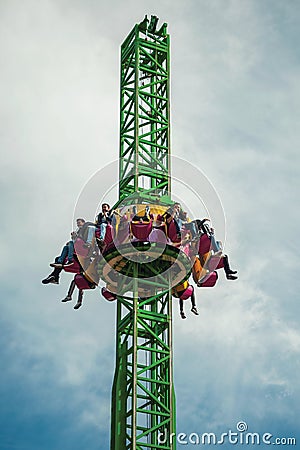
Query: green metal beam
(143, 395)
(145, 113)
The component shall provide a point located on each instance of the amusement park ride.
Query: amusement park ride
(143, 259)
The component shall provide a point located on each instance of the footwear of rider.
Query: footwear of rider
(232, 272)
(183, 316)
(194, 310)
(58, 265)
(50, 279)
(231, 277)
(67, 299)
(78, 304)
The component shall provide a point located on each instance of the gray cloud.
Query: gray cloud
(235, 98)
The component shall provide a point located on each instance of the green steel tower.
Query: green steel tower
(143, 399)
(145, 112)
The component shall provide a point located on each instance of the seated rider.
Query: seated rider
(217, 247)
(108, 240)
(87, 280)
(183, 292)
(103, 218)
(85, 232)
(176, 215)
(180, 234)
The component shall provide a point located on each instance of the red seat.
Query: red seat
(80, 250)
(109, 234)
(214, 263)
(110, 296)
(82, 283)
(221, 264)
(204, 244)
(210, 280)
(108, 239)
(187, 293)
(172, 232)
(141, 230)
(74, 268)
(158, 235)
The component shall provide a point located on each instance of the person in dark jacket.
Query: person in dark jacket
(68, 249)
(85, 231)
(102, 219)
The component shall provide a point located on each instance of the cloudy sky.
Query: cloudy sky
(235, 115)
